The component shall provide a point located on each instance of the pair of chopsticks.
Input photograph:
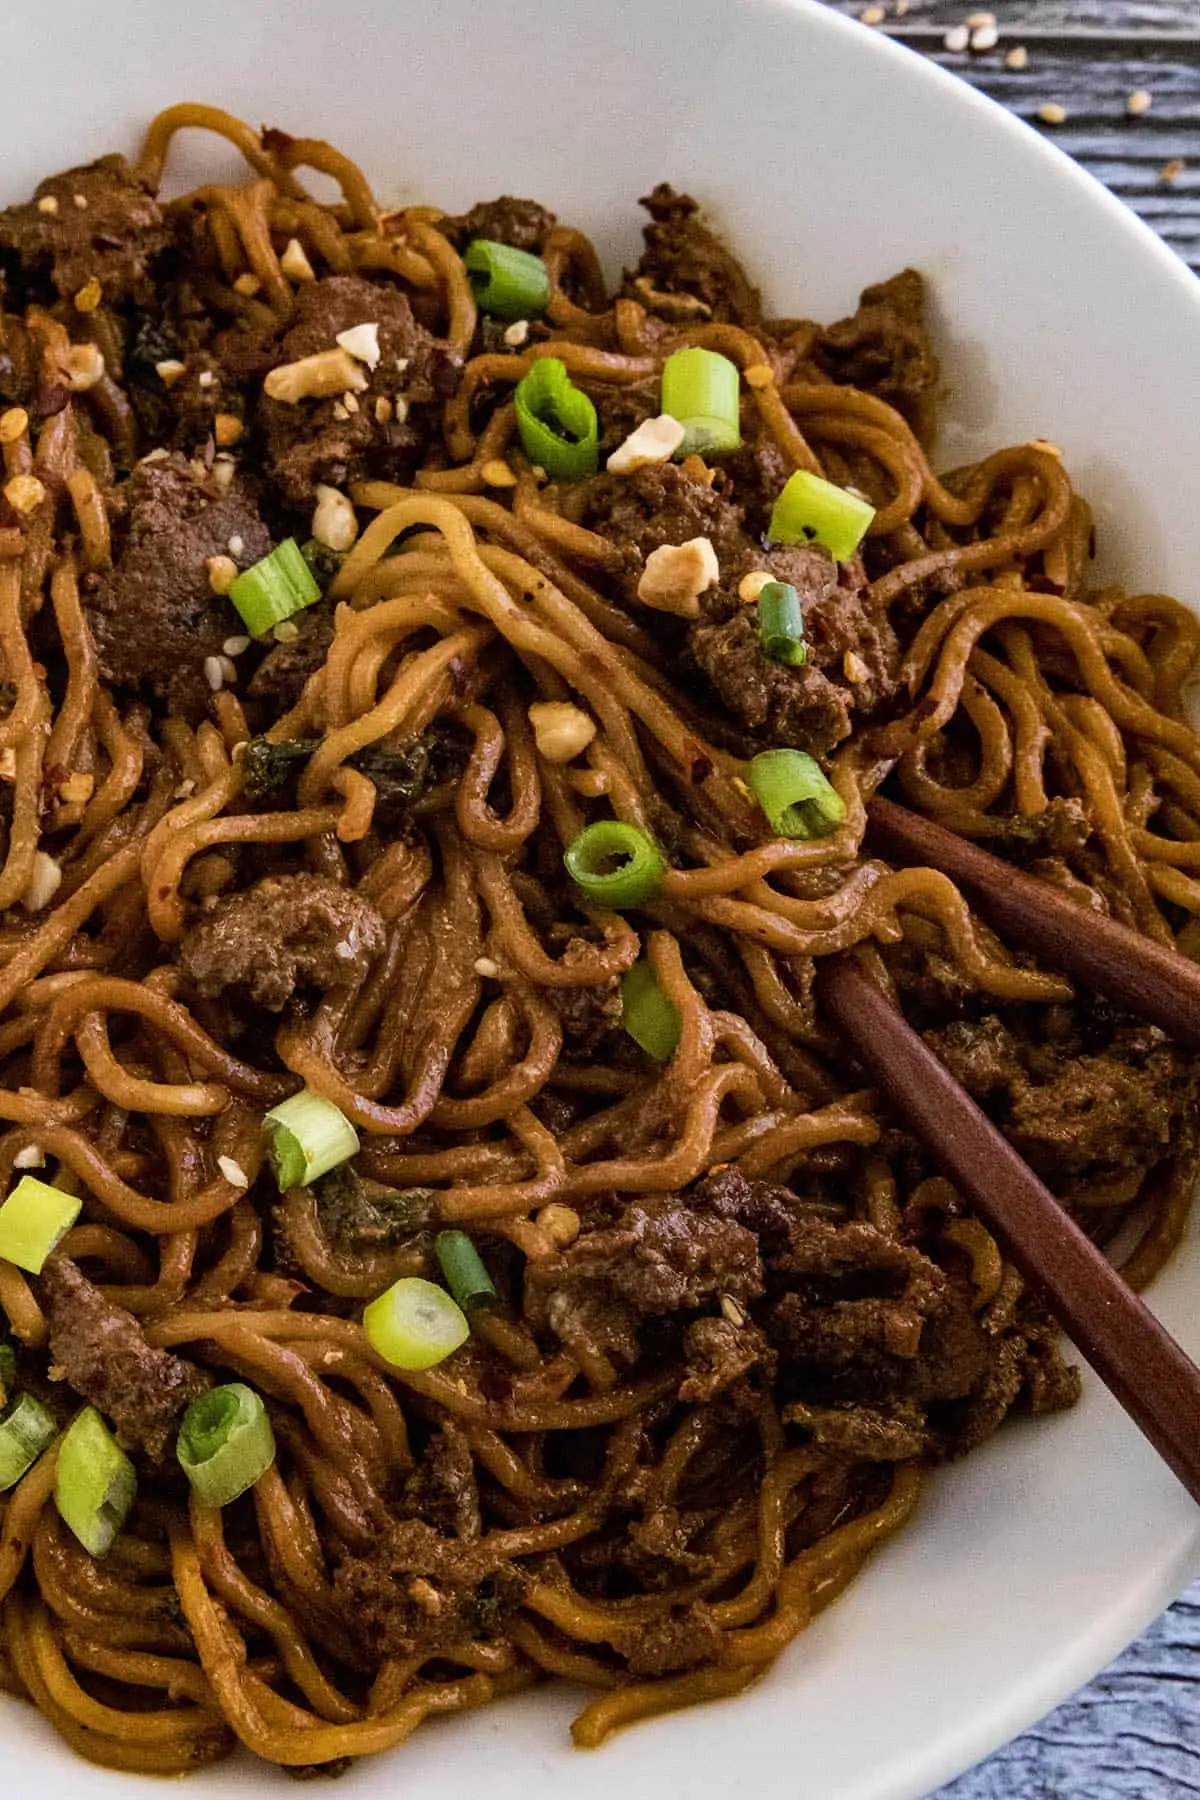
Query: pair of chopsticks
(1149, 1373)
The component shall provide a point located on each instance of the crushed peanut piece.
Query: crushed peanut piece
(227, 429)
(78, 788)
(81, 201)
(516, 333)
(560, 730)
(497, 473)
(13, 424)
(1138, 103)
(205, 378)
(316, 377)
(31, 1157)
(732, 1312)
(956, 39)
(48, 204)
(223, 471)
(752, 585)
(873, 15)
(759, 375)
(339, 412)
(1051, 112)
(383, 410)
(233, 1172)
(85, 367)
(1017, 58)
(295, 264)
(170, 370)
(286, 632)
(45, 879)
(1169, 173)
(247, 284)
(362, 343)
(89, 296)
(24, 493)
(214, 674)
(486, 967)
(350, 402)
(854, 668)
(334, 521)
(561, 1224)
(984, 38)
(676, 575)
(654, 441)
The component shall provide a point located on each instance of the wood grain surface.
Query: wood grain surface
(1134, 1734)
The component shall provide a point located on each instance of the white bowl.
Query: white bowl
(834, 158)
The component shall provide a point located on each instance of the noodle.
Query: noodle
(738, 1313)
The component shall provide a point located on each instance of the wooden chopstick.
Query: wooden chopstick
(1153, 1378)
(1156, 983)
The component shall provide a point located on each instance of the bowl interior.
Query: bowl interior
(833, 159)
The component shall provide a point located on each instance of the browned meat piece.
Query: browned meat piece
(621, 409)
(864, 1433)
(762, 1207)
(588, 1015)
(1051, 1384)
(288, 931)
(981, 1055)
(324, 441)
(522, 223)
(667, 1253)
(756, 475)
(719, 1353)
(885, 349)
(1061, 831)
(113, 237)
(416, 1592)
(103, 1357)
(443, 1491)
(868, 1319)
(155, 618)
(682, 256)
(1104, 1112)
(283, 671)
(686, 1638)
(660, 504)
(853, 656)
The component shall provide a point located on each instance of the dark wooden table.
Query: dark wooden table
(1134, 1734)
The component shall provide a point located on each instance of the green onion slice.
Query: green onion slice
(510, 284)
(796, 796)
(811, 510)
(650, 1018)
(33, 1221)
(275, 588)
(415, 1324)
(781, 624)
(557, 422)
(463, 1267)
(306, 1137)
(95, 1484)
(615, 864)
(702, 389)
(225, 1443)
(26, 1429)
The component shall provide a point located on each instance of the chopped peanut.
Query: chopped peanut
(44, 882)
(170, 370)
(48, 204)
(334, 521)
(222, 573)
(497, 473)
(362, 343)
(24, 493)
(654, 441)
(560, 730)
(752, 585)
(854, 668)
(295, 264)
(77, 789)
(247, 284)
(317, 377)
(89, 296)
(13, 424)
(227, 429)
(561, 1224)
(676, 575)
(85, 367)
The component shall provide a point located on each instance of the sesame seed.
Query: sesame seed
(1170, 172)
(497, 473)
(350, 401)
(873, 15)
(223, 471)
(401, 409)
(236, 545)
(516, 333)
(235, 646)
(233, 1172)
(214, 674)
(1139, 103)
(229, 670)
(1051, 112)
(731, 1311)
(487, 967)
(89, 296)
(1017, 58)
(81, 201)
(339, 411)
(759, 375)
(361, 342)
(957, 38)
(205, 378)
(383, 410)
(286, 632)
(45, 879)
(983, 38)
(48, 204)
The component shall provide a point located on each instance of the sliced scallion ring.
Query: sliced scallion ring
(811, 510)
(415, 1324)
(33, 1221)
(274, 588)
(26, 1429)
(225, 1443)
(307, 1136)
(702, 389)
(508, 283)
(95, 1483)
(650, 1018)
(463, 1267)
(781, 624)
(615, 864)
(557, 422)
(795, 793)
